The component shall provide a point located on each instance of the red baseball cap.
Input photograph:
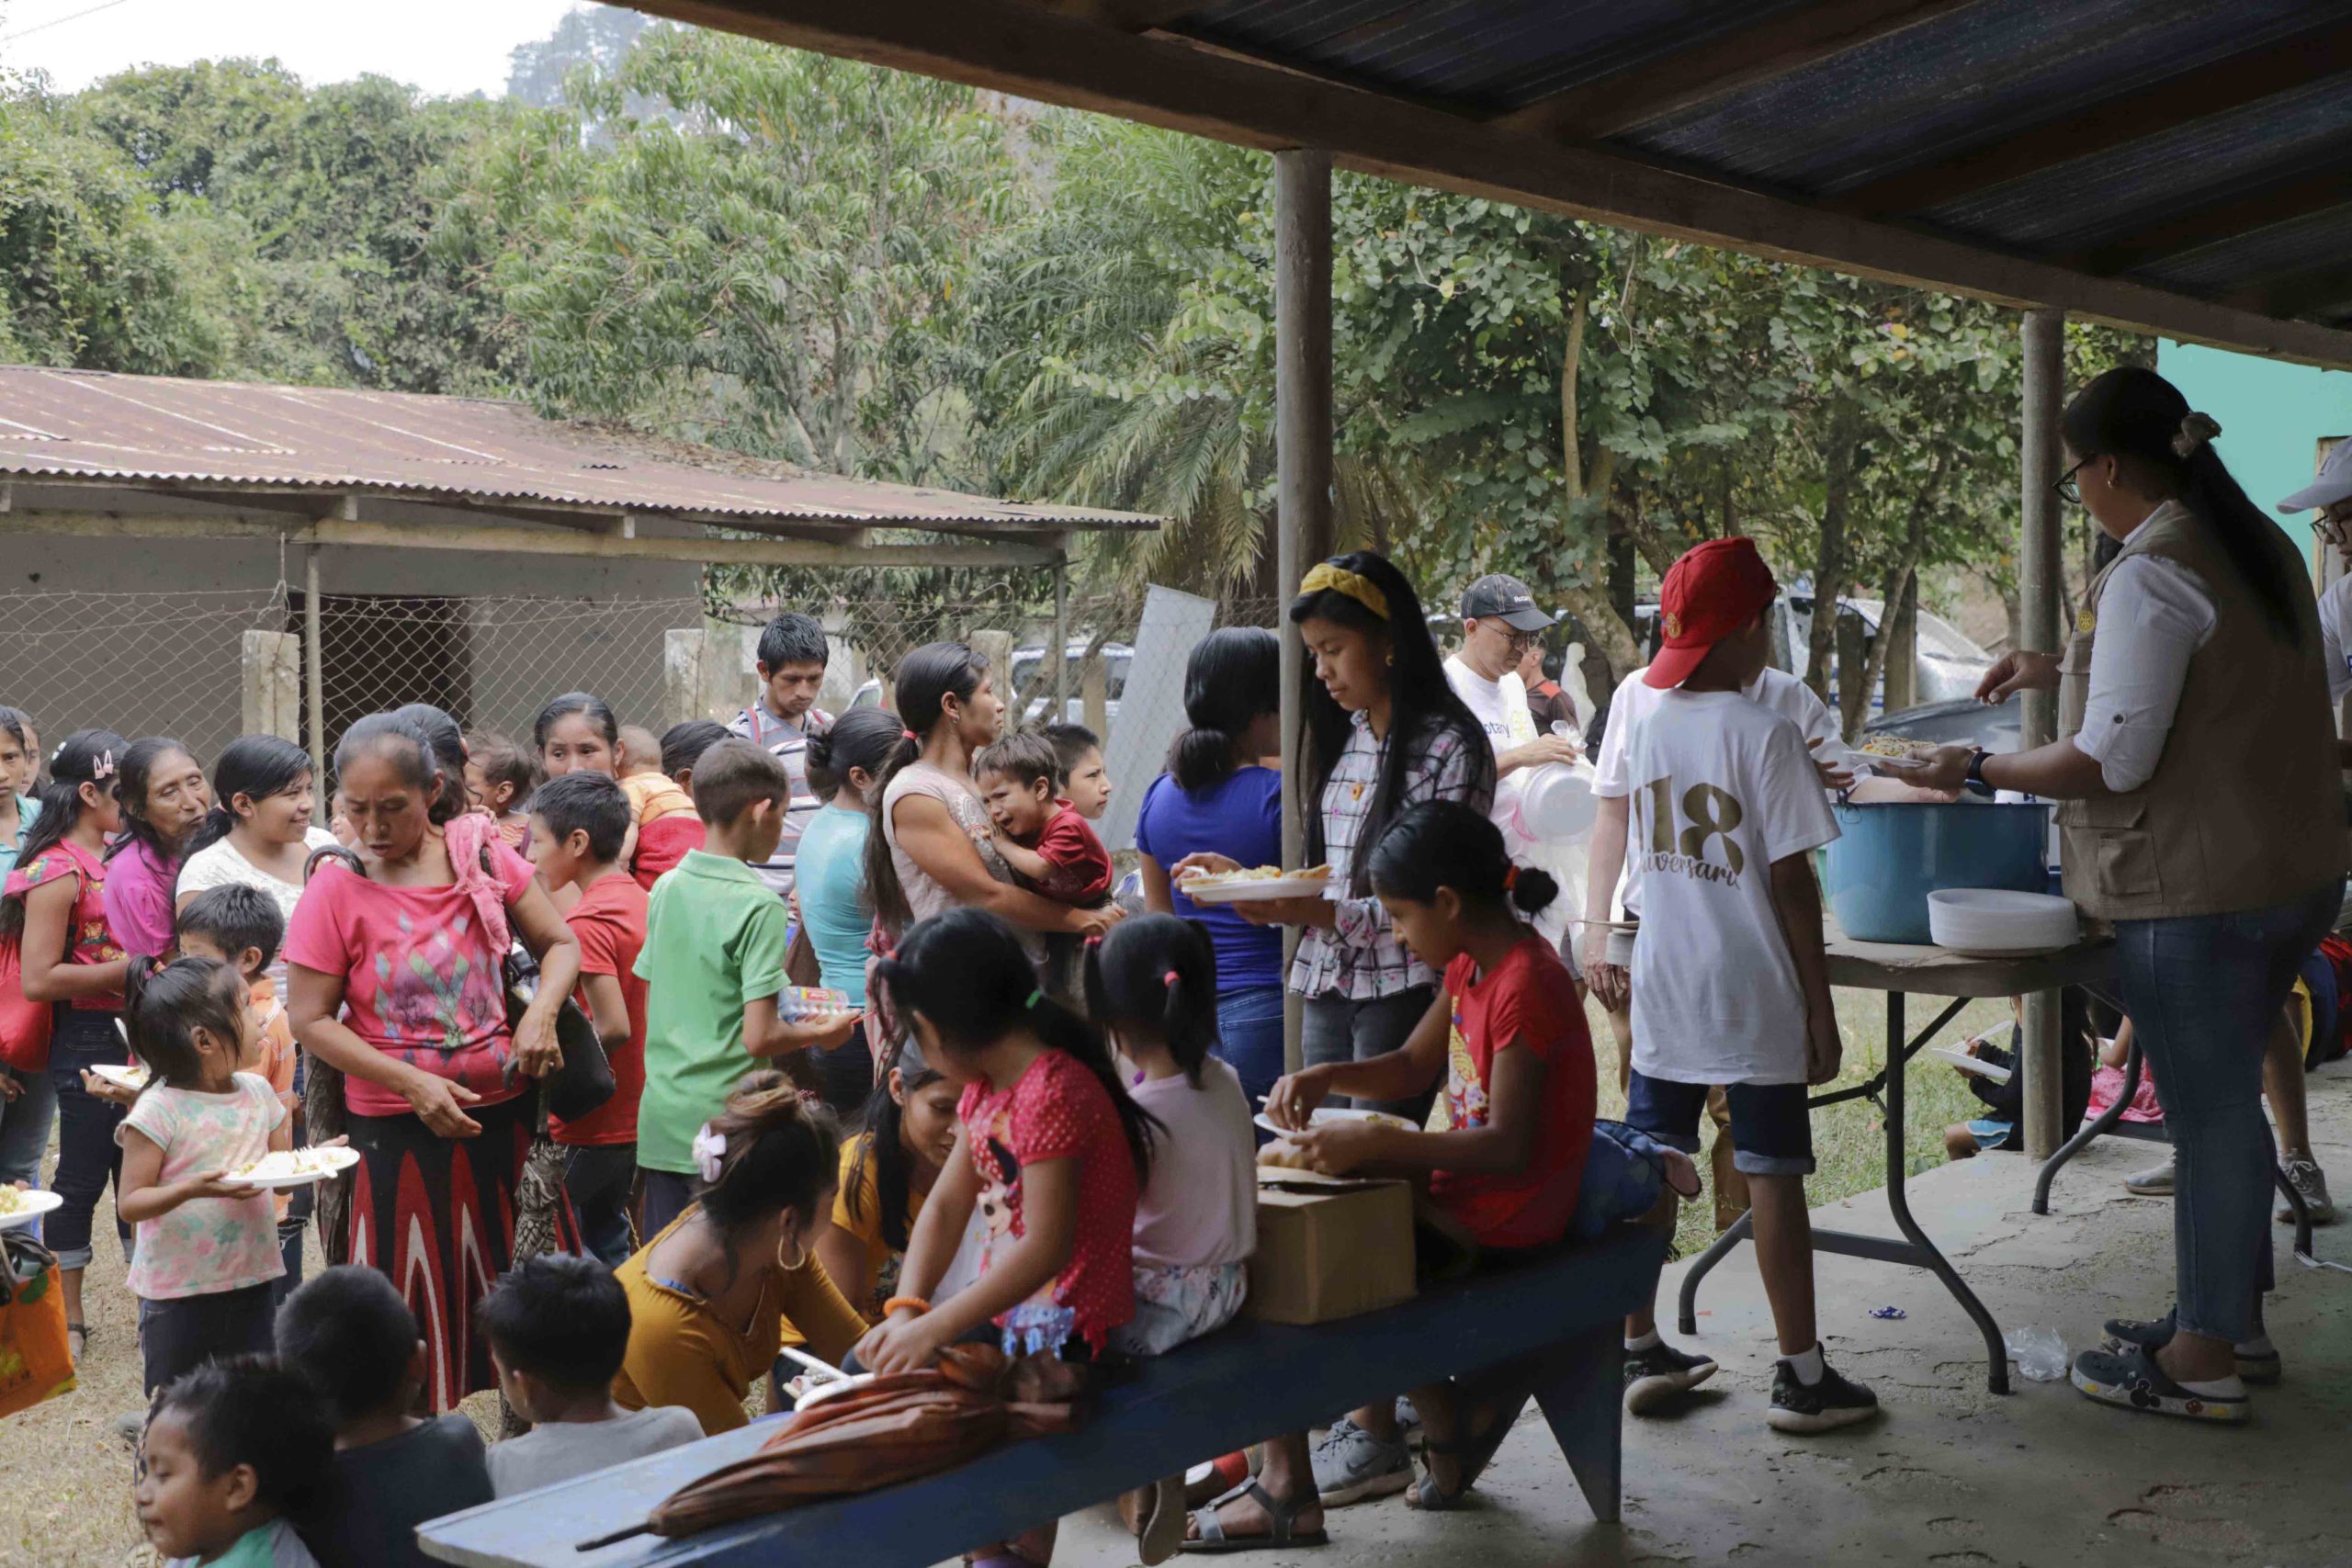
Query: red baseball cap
(1713, 591)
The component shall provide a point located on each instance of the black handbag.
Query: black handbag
(584, 1082)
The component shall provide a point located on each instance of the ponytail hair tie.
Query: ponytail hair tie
(1170, 979)
(1095, 940)
(1034, 997)
(908, 734)
(1511, 879)
(2196, 430)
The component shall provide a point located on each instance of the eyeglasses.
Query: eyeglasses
(2067, 488)
(1518, 641)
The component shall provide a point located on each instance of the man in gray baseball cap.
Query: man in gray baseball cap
(1499, 621)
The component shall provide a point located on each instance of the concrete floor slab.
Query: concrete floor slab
(1950, 1474)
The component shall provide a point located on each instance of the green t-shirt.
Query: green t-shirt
(715, 938)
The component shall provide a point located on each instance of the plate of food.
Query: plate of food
(132, 1077)
(21, 1206)
(1255, 885)
(1894, 749)
(295, 1167)
(1331, 1114)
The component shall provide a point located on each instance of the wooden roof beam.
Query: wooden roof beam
(1782, 43)
(2290, 64)
(2240, 213)
(1159, 80)
(2325, 288)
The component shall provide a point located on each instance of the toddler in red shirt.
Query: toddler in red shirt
(1039, 833)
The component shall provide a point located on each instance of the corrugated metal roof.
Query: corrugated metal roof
(215, 436)
(1912, 89)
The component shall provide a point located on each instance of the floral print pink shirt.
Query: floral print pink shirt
(207, 1244)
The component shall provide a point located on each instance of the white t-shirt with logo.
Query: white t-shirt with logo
(1486, 703)
(1721, 788)
(1775, 689)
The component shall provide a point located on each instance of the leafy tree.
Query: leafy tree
(783, 271)
(597, 37)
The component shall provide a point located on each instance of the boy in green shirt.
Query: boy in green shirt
(713, 963)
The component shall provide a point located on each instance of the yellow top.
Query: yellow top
(652, 796)
(858, 1176)
(682, 1352)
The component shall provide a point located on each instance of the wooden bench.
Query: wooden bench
(1556, 1323)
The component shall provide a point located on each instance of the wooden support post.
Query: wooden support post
(1302, 455)
(2039, 582)
(682, 657)
(313, 667)
(1060, 654)
(271, 694)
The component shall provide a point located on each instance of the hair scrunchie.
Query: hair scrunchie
(2196, 430)
(709, 1150)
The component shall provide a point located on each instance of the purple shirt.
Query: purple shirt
(139, 899)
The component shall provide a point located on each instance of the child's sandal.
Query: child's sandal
(1475, 1455)
(77, 1341)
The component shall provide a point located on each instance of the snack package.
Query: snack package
(797, 1002)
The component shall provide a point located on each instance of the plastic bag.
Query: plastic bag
(34, 1361)
(2040, 1354)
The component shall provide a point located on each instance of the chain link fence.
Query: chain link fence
(189, 664)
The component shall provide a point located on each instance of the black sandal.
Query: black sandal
(1475, 1454)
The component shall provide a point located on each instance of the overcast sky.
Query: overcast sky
(447, 47)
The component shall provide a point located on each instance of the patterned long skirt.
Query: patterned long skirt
(436, 1216)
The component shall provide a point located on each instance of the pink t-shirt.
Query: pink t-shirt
(420, 978)
(1200, 1208)
(139, 899)
(207, 1244)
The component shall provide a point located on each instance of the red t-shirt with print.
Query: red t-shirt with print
(1528, 1003)
(1058, 1109)
(89, 935)
(609, 920)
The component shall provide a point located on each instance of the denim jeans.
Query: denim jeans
(600, 1179)
(87, 1155)
(1249, 1038)
(1339, 1029)
(2202, 992)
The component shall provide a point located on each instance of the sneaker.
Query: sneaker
(1657, 1374)
(1834, 1402)
(2304, 1176)
(2130, 1379)
(2154, 1182)
(129, 1426)
(2257, 1359)
(1352, 1465)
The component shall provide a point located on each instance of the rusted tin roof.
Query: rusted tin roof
(217, 438)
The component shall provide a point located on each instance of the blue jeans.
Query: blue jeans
(2202, 992)
(87, 1155)
(601, 1179)
(1338, 1029)
(1249, 1039)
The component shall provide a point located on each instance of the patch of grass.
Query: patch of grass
(1849, 1140)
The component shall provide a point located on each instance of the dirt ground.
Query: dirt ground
(65, 1479)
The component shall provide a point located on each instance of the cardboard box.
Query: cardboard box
(1329, 1247)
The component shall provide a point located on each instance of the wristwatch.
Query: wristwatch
(1975, 780)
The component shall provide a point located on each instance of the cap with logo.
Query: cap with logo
(1508, 600)
(2333, 484)
(1713, 591)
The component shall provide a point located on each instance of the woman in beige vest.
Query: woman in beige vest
(2202, 817)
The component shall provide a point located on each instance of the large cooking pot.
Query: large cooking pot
(1889, 856)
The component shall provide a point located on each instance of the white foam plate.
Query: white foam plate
(1996, 923)
(1329, 1114)
(131, 1077)
(1968, 1063)
(1256, 892)
(31, 1206)
(270, 1172)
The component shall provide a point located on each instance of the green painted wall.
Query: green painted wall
(2273, 417)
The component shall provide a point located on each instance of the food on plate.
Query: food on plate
(1897, 747)
(1257, 873)
(14, 1199)
(134, 1075)
(1284, 1154)
(280, 1164)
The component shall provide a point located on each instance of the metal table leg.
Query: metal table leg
(2090, 1132)
(1915, 1250)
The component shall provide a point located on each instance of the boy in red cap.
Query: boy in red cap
(1730, 984)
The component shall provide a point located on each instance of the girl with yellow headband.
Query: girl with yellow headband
(1384, 732)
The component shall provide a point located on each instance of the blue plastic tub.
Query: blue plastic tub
(1889, 857)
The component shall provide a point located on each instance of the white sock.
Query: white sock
(2259, 1345)
(1809, 1365)
(1646, 1341)
(2218, 1388)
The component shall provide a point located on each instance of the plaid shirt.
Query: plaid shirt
(790, 746)
(1359, 958)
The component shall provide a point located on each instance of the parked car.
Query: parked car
(1116, 657)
